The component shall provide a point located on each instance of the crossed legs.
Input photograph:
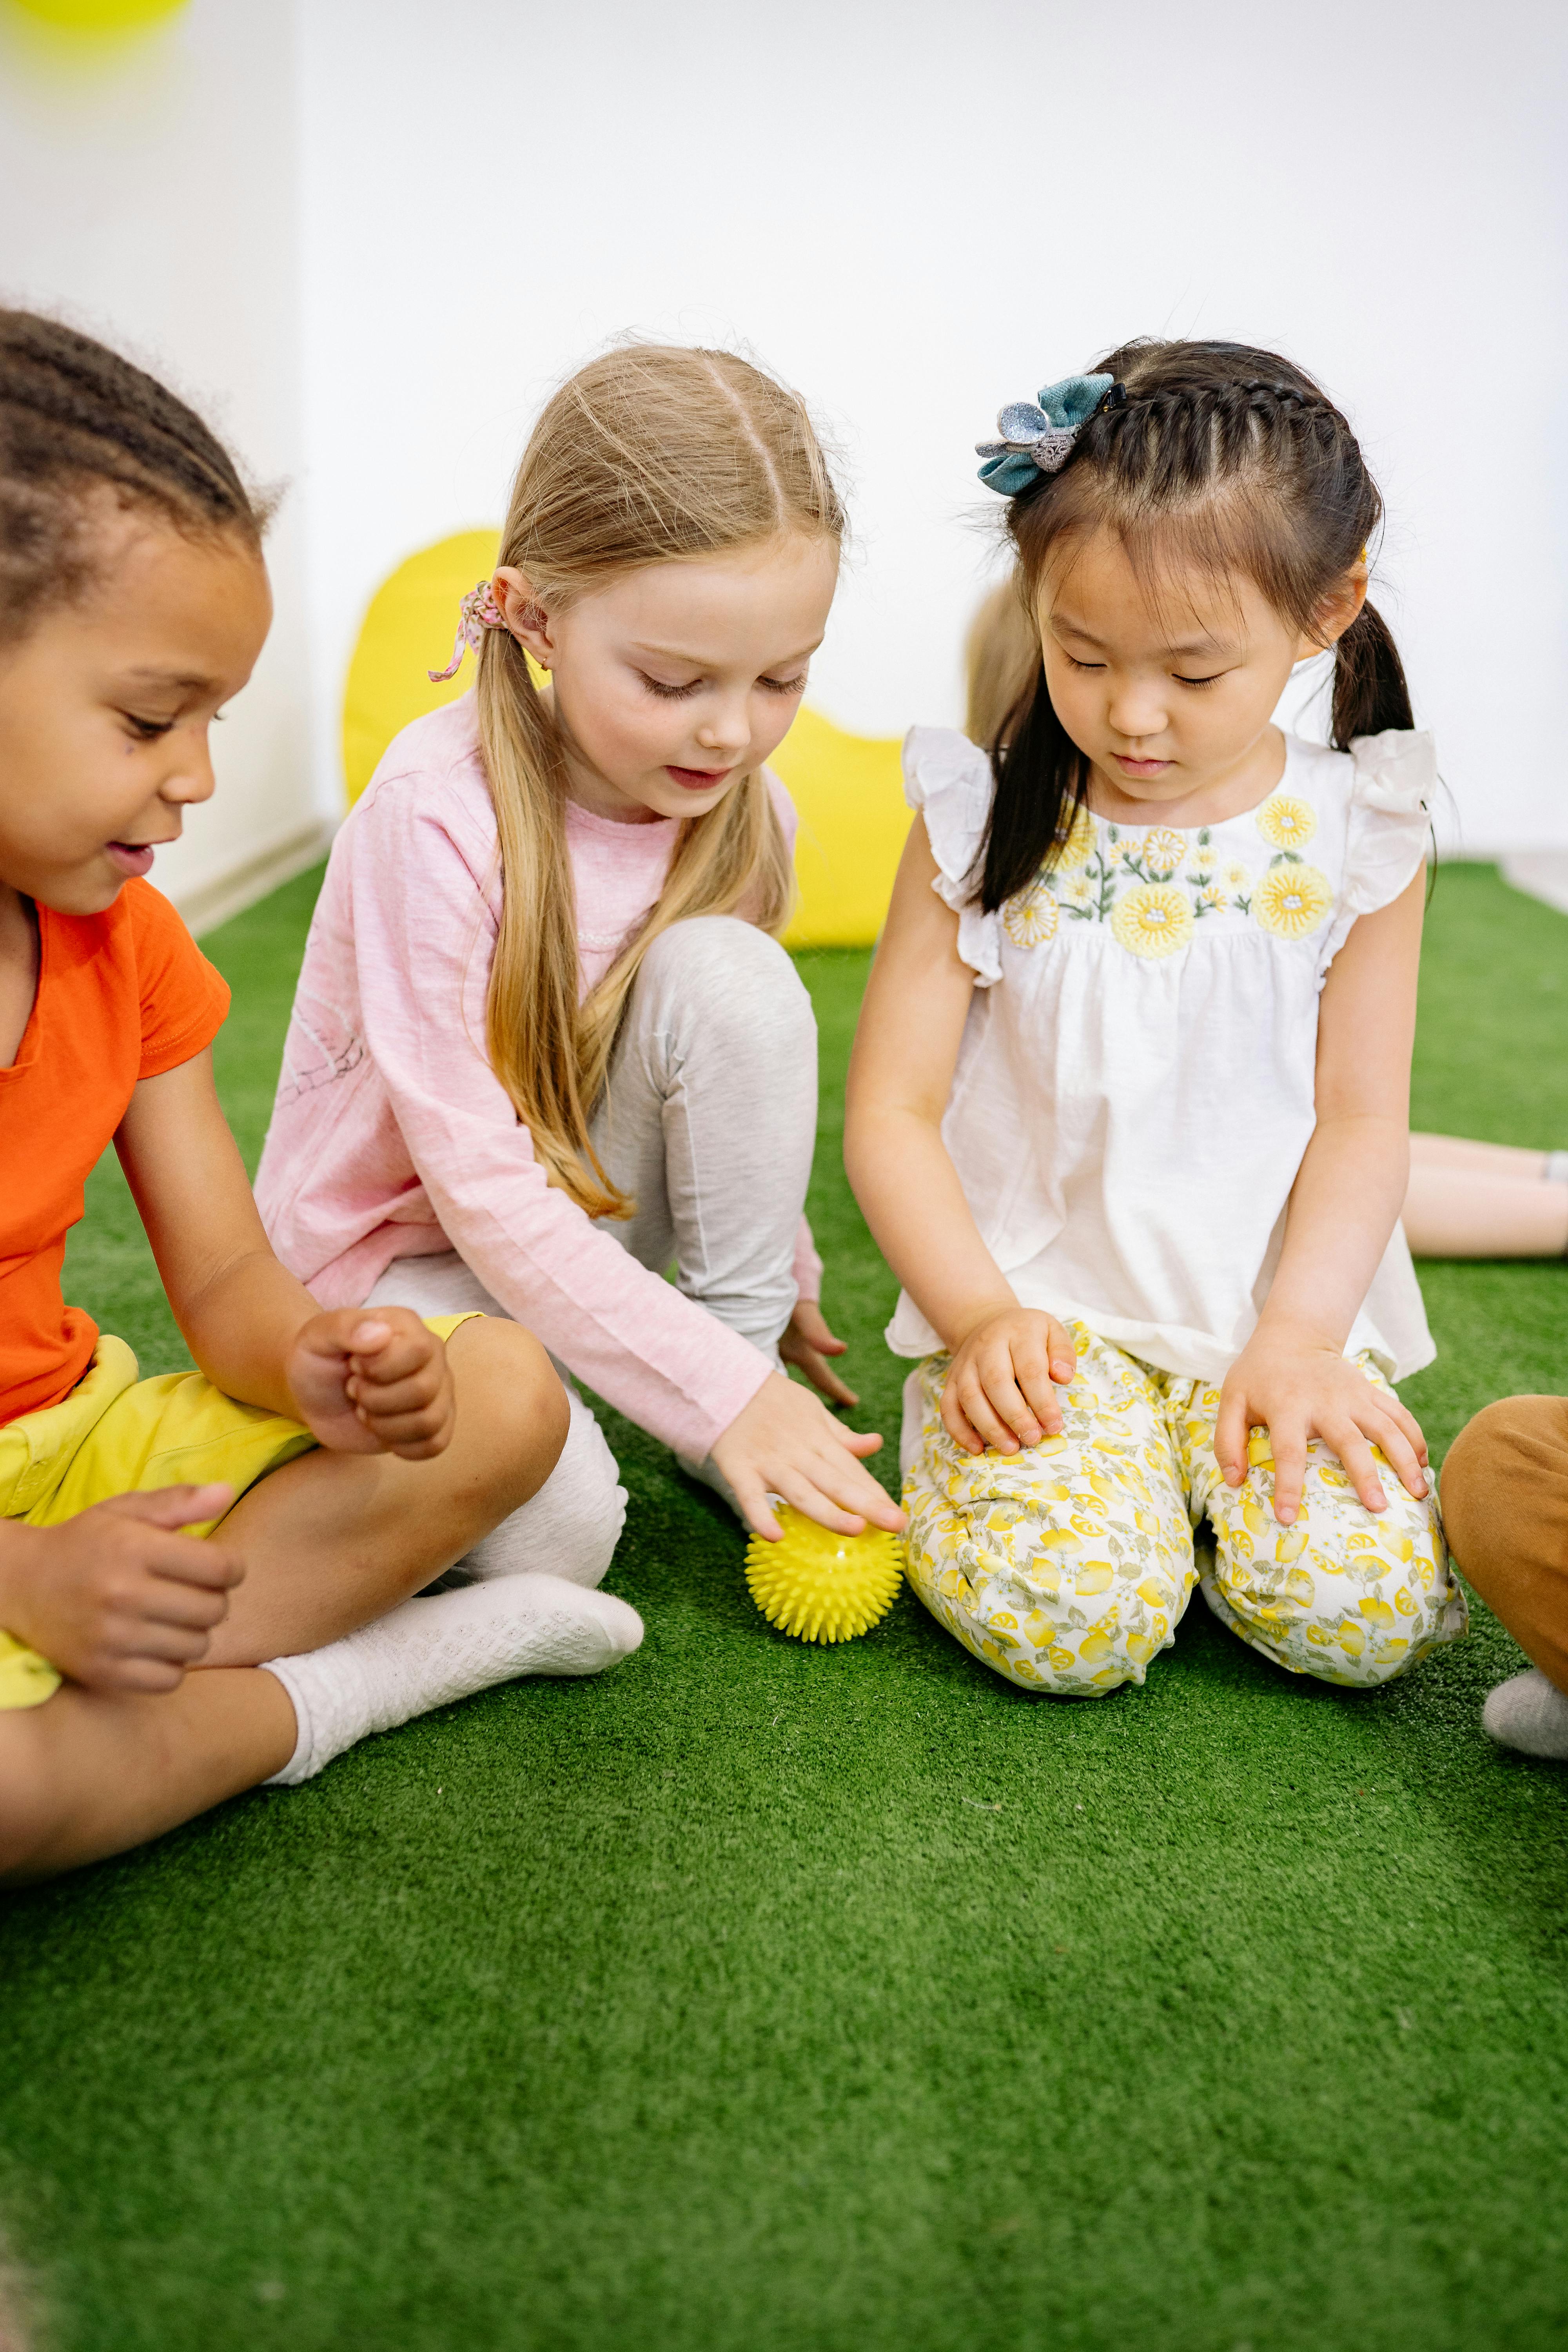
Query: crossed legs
(330, 1542)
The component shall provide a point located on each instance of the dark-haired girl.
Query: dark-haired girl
(1127, 1113)
(265, 1517)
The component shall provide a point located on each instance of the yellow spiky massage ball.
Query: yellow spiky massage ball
(821, 1587)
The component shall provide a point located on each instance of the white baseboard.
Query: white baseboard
(213, 897)
(1543, 873)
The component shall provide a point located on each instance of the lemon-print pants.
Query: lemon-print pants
(1067, 1566)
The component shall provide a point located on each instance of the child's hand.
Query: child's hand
(1002, 1382)
(808, 1343)
(117, 1598)
(1298, 1389)
(784, 1442)
(372, 1380)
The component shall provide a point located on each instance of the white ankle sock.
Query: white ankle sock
(1528, 1713)
(445, 1647)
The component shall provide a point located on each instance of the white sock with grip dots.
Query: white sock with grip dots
(433, 1649)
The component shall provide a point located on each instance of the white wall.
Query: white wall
(918, 212)
(368, 235)
(149, 189)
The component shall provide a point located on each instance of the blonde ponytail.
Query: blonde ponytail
(647, 455)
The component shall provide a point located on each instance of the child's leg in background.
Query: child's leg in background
(709, 1119)
(1345, 1594)
(570, 1528)
(1066, 1566)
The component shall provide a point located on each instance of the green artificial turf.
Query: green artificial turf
(787, 2000)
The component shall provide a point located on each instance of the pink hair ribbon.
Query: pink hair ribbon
(478, 612)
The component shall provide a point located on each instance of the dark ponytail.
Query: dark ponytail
(1042, 779)
(1224, 455)
(1370, 691)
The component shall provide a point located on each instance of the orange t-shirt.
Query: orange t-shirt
(121, 996)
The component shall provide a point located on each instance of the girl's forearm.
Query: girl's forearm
(240, 1325)
(900, 1173)
(1343, 1205)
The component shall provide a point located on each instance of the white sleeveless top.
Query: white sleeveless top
(1134, 1089)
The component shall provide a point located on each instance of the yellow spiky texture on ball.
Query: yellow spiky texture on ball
(821, 1587)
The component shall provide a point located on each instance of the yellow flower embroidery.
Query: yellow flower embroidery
(1154, 920)
(1030, 917)
(1234, 874)
(1079, 847)
(1077, 890)
(1291, 901)
(1286, 823)
(1163, 849)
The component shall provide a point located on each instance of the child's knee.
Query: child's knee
(29, 1791)
(1065, 1567)
(1505, 1485)
(509, 1396)
(570, 1527)
(1355, 1601)
(584, 1502)
(584, 1556)
(1059, 1619)
(740, 978)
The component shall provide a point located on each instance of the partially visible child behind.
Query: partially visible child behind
(545, 1040)
(367, 1451)
(1128, 1107)
(1001, 654)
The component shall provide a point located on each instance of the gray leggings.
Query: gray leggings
(708, 1121)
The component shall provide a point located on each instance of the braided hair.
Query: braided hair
(75, 416)
(1239, 458)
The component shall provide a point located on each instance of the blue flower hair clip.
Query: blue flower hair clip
(1038, 440)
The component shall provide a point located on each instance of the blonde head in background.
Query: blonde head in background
(1001, 654)
(648, 455)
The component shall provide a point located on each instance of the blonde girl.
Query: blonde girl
(1127, 1107)
(545, 1041)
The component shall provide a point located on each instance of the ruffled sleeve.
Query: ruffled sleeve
(1390, 826)
(948, 779)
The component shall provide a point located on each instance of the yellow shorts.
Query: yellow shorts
(115, 1434)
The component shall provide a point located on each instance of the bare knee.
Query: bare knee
(511, 1401)
(30, 1793)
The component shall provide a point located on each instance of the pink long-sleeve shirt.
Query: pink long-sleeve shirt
(392, 1135)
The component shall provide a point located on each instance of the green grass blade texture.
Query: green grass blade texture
(786, 1999)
